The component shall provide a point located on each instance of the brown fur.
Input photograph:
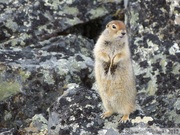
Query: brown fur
(113, 71)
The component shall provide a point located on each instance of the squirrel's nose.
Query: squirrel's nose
(123, 33)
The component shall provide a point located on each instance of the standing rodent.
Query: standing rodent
(113, 71)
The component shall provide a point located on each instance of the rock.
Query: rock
(155, 55)
(24, 23)
(142, 129)
(177, 106)
(155, 58)
(41, 75)
(37, 126)
(7, 131)
(144, 119)
(38, 56)
(46, 51)
(112, 132)
(10, 84)
(76, 111)
(43, 48)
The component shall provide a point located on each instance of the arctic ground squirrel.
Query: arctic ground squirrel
(113, 71)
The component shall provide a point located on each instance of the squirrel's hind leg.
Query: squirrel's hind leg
(106, 114)
(124, 118)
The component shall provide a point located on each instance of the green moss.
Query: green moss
(134, 18)
(152, 87)
(8, 88)
(24, 75)
(52, 3)
(11, 86)
(11, 24)
(48, 77)
(70, 10)
(100, 11)
(176, 67)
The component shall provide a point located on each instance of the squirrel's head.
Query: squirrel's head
(116, 30)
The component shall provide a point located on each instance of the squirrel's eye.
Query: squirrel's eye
(114, 26)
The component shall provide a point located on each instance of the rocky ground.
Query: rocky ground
(47, 81)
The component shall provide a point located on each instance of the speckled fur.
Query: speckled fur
(113, 71)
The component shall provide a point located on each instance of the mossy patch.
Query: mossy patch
(11, 85)
(8, 88)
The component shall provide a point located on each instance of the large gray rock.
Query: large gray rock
(27, 22)
(41, 75)
(43, 52)
(76, 112)
(155, 48)
(155, 55)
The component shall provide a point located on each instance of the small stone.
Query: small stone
(112, 131)
(177, 106)
(145, 119)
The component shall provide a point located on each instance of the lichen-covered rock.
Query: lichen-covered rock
(23, 23)
(155, 55)
(76, 112)
(7, 131)
(37, 126)
(10, 84)
(39, 58)
(67, 58)
(155, 51)
(41, 75)
(43, 52)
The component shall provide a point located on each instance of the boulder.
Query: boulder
(46, 66)
(155, 55)
(155, 48)
(45, 47)
(32, 78)
(25, 23)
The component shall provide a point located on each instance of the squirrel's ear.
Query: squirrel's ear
(107, 25)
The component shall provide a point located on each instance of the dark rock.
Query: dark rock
(5, 131)
(41, 77)
(111, 132)
(155, 55)
(147, 100)
(46, 48)
(77, 112)
(41, 20)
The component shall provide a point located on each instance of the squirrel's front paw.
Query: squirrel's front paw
(104, 56)
(117, 58)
